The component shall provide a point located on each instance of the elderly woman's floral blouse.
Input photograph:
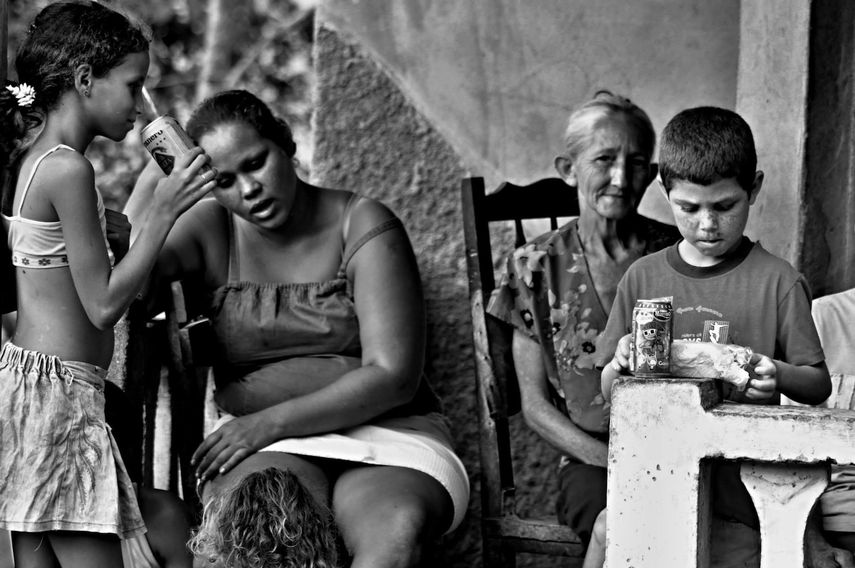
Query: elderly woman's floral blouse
(553, 267)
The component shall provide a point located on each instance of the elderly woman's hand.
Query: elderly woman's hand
(229, 444)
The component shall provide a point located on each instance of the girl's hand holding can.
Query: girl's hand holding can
(190, 180)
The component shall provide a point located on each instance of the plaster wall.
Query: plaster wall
(497, 78)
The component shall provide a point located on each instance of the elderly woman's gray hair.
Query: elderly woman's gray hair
(583, 120)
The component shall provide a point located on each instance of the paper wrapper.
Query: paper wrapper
(704, 360)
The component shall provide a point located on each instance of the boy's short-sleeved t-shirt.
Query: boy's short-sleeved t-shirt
(753, 299)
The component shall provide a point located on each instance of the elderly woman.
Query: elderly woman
(318, 314)
(609, 142)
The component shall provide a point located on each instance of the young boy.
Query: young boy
(725, 289)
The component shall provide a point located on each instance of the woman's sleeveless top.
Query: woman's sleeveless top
(266, 332)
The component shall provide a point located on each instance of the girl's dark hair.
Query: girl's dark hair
(63, 36)
(240, 106)
(15, 122)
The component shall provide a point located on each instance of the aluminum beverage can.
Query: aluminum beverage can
(651, 329)
(165, 140)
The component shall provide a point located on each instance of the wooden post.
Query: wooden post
(4, 37)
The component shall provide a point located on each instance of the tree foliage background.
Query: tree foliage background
(199, 47)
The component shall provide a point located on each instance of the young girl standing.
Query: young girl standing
(64, 492)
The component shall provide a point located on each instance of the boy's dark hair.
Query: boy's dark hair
(240, 106)
(62, 36)
(706, 144)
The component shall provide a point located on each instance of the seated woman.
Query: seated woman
(609, 144)
(317, 309)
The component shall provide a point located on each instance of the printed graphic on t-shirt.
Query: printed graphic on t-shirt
(691, 324)
(716, 331)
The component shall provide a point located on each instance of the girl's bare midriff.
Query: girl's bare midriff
(51, 319)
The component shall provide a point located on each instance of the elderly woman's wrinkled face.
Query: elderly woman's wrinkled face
(613, 170)
(256, 178)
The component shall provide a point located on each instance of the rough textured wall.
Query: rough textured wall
(370, 139)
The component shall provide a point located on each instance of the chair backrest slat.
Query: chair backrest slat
(549, 198)
(497, 388)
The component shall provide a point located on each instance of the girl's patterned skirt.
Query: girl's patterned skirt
(60, 468)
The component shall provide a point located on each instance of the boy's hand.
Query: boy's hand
(620, 362)
(764, 378)
(619, 365)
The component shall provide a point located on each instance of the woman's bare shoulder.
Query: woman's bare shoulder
(354, 212)
(203, 221)
(206, 210)
(365, 213)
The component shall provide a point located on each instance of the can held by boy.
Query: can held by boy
(651, 329)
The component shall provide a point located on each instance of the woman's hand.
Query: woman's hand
(228, 445)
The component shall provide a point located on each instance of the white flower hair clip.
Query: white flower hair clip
(24, 94)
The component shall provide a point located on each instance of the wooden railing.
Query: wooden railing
(663, 434)
(167, 381)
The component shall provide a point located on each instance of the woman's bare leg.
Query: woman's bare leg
(388, 515)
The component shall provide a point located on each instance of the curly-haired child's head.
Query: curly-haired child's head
(267, 520)
(706, 144)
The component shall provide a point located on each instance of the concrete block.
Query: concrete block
(662, 429)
